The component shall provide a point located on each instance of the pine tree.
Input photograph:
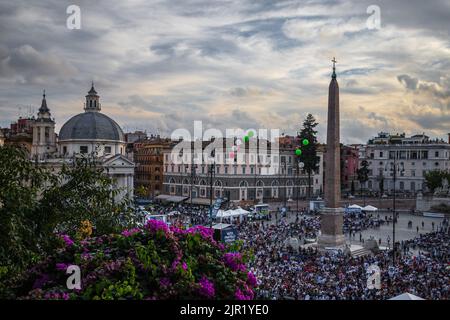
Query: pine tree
(309, 149)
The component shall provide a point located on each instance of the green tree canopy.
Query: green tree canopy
(37, 203)
(434, 179)
(309, 151)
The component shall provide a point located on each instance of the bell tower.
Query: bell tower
(44, 137)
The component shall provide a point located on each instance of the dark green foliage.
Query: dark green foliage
(36, 203)
(434, 179)
(309, 152)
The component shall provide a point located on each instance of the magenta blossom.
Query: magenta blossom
(184, 266)
(129, 233)
(61, 266)
(251, 279)
(164, 282)
(234, 261)
(206, 233)
(69, 242)
(239, 295)
(206, 288)
(156, 225)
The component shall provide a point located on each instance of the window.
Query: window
(381, 154)
(64, 150)
(413, 173)
(108, 149)
(226, 169)
(243, 170)
(83, 149)
(436, 154)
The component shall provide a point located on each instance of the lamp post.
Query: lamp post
(297, 171)
(212, 171)
(193, 172)
(394, 168)
(285, 183)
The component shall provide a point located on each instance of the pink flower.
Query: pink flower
(234, 261)
(206, 233)
(164, 282)
(206, 288)
(129, 233)
(69, 242)
(251, 279)
(184, 266)
(239, 295)
(156, 225)
(61, 266)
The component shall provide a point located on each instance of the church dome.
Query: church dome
(91, 126)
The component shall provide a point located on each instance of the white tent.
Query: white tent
(242, 211)
(231, 213)
(406, 296)
(369, 208)
(355, 206)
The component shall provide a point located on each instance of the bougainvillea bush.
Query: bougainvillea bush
(155, 262)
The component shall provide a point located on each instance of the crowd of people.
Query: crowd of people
(307, 274)
(287, 272)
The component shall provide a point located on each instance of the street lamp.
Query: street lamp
(394, 169)
(300, 165)
(212, 171)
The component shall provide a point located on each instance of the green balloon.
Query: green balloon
(246, 138)
(250, 133)
(298, 152)
(305, 142)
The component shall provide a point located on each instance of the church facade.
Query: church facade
(90, 133)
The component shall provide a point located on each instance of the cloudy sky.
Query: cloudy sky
(160, 65)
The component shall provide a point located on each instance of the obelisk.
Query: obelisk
(332, 215)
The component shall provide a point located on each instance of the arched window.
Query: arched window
(172, 186)
(243, 185)
(274, 189)
(260, 190)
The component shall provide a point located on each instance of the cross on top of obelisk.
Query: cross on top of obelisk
(334, 67)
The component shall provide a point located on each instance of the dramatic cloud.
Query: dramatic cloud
(160, 65)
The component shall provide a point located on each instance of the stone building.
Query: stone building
(259, 177)
(414, 156)
(90, 133)
(148, 156)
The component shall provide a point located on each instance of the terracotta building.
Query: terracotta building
(349, 167)
(148, 156)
